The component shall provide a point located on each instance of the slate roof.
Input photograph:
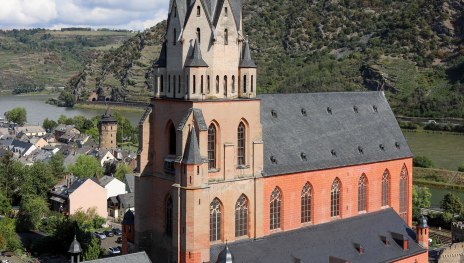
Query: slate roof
(337, 239)
(246, 60)
(130, 182)
(29, 129)
(195, 59)
(140, 257)
(21, 145)
(105, 180)
(108, 117)
(126, 201)
(198, 115)
(192, 150)
(129, 218)
(314, 131)
(161, 62)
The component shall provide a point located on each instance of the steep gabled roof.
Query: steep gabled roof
(333, 239)
(315, 131)
(195, 59)
(198, 117)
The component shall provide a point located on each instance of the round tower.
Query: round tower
(75, 250)
(128, 233)
(107, 127)
(422, 232)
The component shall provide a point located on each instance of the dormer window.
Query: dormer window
(198, 11)
(226, 12)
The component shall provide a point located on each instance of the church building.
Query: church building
(226, 175)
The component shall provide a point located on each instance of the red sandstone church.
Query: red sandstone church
(230, 176)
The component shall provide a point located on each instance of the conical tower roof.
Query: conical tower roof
(247, 61)
(129, 218)
(225, 256)
(108, 116)
(196, 60)
(75, 247)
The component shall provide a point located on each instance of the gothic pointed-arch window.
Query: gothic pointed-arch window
(241, 216)
(161, 83)
(226, 37)
(198, 11)
(275, 209)
(201, 85)
(168, 219)
(175, 11)
(241, 144)
(245, 84)
(233, 84)
(169, 83)
(306, 204)
(172, 139)
(208, 84)
(215, 220)
(174, 41)
(199, 35)
(194, 84)
(385, 188)
(226, 13)
(178, 88)
(362, 193)
(225, 86)
(173, 84)
(217, 84)
(212, 147)
(335, 199)
(252, 84)
(404, 193)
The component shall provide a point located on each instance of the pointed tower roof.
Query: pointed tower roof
(247, 61)
(75, 247)
(161, 62)
(108, 116)
(196, 59)
(129, 218)
(192, 151)
(225, 256)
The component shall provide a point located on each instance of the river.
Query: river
(38, 110)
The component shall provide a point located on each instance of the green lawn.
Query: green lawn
(445, 150)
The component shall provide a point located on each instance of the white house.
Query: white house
(113, 186)
(31, 130)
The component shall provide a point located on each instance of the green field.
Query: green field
(446, 150)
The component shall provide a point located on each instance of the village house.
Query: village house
(118, 205)
(75, 194)
(30, 130)
(113, 186)
(21, 148)
(38, 142)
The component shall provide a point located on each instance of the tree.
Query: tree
(451, 204)
(420, 199)
(121, 170)
(9, 240)
(67, 99)
(42, 178)
(461, 168)
(422, 161)
(49, 125)
(86, 167)
(31, 211)
(93, 250)
(17, 115)
(5, 206)
(57, 165)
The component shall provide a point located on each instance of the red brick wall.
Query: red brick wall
(321, 182)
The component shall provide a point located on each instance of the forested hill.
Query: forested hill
(413, 49)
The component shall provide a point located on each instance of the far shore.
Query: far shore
(116, 107)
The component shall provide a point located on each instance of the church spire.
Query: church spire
(192, 150)
(247, 61)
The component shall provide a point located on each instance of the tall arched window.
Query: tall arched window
(252, 84)
(215, 220)
(161, 83)
(169, 83)
(208, 84)
(178, 88)
(244, 84)
(241, 216)
(362, 193)
(174, 41)
(172, 139)
(225, 86)
(233, 84)
(275, 206)
(168, 223)
(173, 84)
(201, 85)
(212, 147)
(198, 35)
(404, 193)
(306, 204)
(198, 11)
(386, 188)
(194, 84)
(241, 144)
(335, 199)
(226, 37)
(217, 84)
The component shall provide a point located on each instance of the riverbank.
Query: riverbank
(123, 107)
(438, 178)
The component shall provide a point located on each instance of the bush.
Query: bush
(461, 168)
(422, 161)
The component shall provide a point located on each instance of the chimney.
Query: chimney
(422, 232)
